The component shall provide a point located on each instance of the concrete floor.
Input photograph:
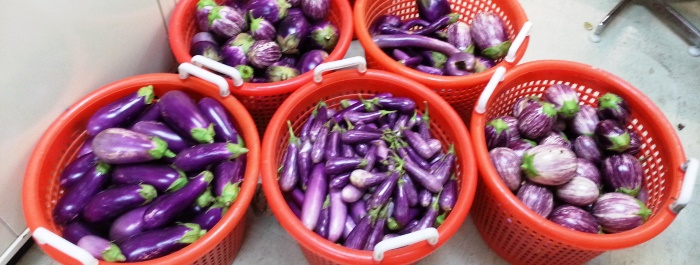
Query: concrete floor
(637, 47)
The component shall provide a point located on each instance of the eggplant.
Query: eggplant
(340, 165)
(228, 176)
(434, 59)
(460, 64)
(270, 10)
(203, 43)
(556, 138)
(618, 212)
(386, 20)
(101, 248)
(350, 193)
(444, 171)
(459, 36)
(337, 216)
(157, 129)
(612, 137)
(340, 181)
(401, 206)
(359, 234)
(362, 179)
(538, 198)
(522, 103)
(315, 9)
(321, 228)
(587, 148)
(613, 107)
(419, 145)
(310, 60)
(586, 169)
(333, 144)
(278, 73)
(234, 56)
(432, 10)
(400, 104)
(537, 120)
(180, 112)
(75, 170)
(205, 199)
(110, 203)
(128, 225)
(304, 162)
(160, 242)
(263, 53)
(215, 112)
(163, 178)
(448, 196)
(564, 99)
(85, 148)
(507, 164)
(262, 29)
(290, 170)
(318, 147)
(428, 219)
(623, 173)
(423, 177)
(382, 193)
(316, 192)
(356, 136)
(430, 70)
(549, 165)
(579, 191)
(226, 22)
(512, 127)
(575, 218)
(410, 23)
(293, 32)
(411, 191)
(635, 143)
(200, 156)
(208, 219)
(489, 34)
(289, 61)
(585, 121)
(497, 133)
(482, 64)
(73, 201)
(204, 8)
(417, 41)
(324, 35)
(76, 230)
(119, 113)
(304, 132)
(164, 211)
(358, 210)
(428, 30)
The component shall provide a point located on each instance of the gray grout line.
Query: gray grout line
(8, 227)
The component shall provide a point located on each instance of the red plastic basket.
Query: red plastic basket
(59, 144)
(460, 92)
(519, 235)
(445, 125)
(261, 99)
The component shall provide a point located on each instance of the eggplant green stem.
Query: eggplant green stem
(292, 138)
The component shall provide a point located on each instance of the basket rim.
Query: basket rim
(593, 242)
(179, 43)
(518, 17)
(30, 193)
(333, 252)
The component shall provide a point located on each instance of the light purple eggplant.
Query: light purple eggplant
(290, 168)
(422, 176)
(119, 113)
(371, 157)
(315, 9)
(262, 29)
(263, 53)
(482, 64)
(432, 10)
(204, 44)
(110, 203)
(489, 34)
(348, 227)
(507, 164)
(73, 201)
(226, 22)
(377, 233)
(361, 178)
(538, 198)
(612, 137)
(611, 106)
(228, 176)
(160, 242)
(575, 218)
(430, 29)
(586, 169)
(537, 120)
(361, 149)
(564, 99)
(72, 173)
(158, 129)
(556, 138)
(310, 60)
(101, 248)
(357, 136)
(76, 230)
(401, 205)
(424, 198)
(520, 146)
(497, 133)
(208, 219)
(181, 113)
(579, 191)
(459, 36)
(434, 59)
(320, 114)
(549, 165)
(420, 145)
(270, 10)
(316, 192)
(318, 147)
(587, 148)
(200, 156)
(522, 103)
(460, 64)
(448, 195)
(324, 35)
(618, 212)
(411, 191)
(278, 73)
(444, 171)
(623, 173)
(293, 32)
(337, 217)
(127, 225)
(165, 210)
(350, 193)
(340, 165)
(204, 8)
(85, 148)
(220, 117)
(585, 121)
(304, 161)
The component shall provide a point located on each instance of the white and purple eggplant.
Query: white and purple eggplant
(564, 99)
(234, 51)
(316, 192)
(203, 43)
(623, 173)
(556, 138)
(612, 137)
(200, 156)
(611, 106)
(310, 60)
(181, 113)
(160, 242)
(512, 126)
(575, 218)
(166, 209)
(585, 121)
(120, 112)
(537, 120)
(432, 10)
(579, 191)
(72, 173)
(586, 169)
(110, 203)
(635, 143)
(489, 34)
(263, 53)
(262, 29)
(315, 9)
(618, 212)
(497, 133)
(101, 248)
(536, 197)
(363, 179)
(163, 178)
(270, 10)
(226, 22)
(587, 148)
(324, 35)
(278, 73)
(549, 165)
(520, 146)
(73, 201)
(459, 36)
(482, 64)
(293, 32)
(204, 8)
(522, 103)
(507, 164)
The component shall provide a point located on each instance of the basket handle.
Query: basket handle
(430, 234)
(231, 72)
(187, 69)
(519, 39)
(44, 236)
(691, 168)
(352, 62)
(496, 78)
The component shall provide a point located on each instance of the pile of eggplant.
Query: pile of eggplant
(368, 172)
(152, 177)
(437, 43)
(571, 163)
(265, 40)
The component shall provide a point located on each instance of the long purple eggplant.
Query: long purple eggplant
(112, 202)
(200, 156)
(401, 205)
(432, 10)
(357, 136)
(122, 146)
(128, 224)
(390, 20)
(219, 116)
(76, 230)
(164, 211)
(350, 193)
(423, 177)
(383, 192)
(181, 113)
(358, 210)
(618, 212)
(623, 173)
(377, 233)
(333, 144)
(575, 218)
(323, 219)
(120, 112)
(101, 248)
(339, 181)
(340, 165)
(318, 147)
(73, 201)
(538, 198)
(85, 148)
(72, 173)
(227, 180)
(337, 217)
(163, 178)
(158, 129)
(428, 30)
(428, 218)
(424, 198)
(316, 192)
(320, 116)
(448, 195)
(290, 170)
(358, 237)
(208, 219)
(420, 145)
(304, 161)
(160, 242)
(364, 179)
(411, 191)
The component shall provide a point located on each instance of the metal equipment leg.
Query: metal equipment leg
(687, 31)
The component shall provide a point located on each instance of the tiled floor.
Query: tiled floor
(636, 47)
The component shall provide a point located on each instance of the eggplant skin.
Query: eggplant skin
(575, 218)
(507, 164)
(160, 242)
(618, 212)
(623, 173)
(549, 165)
(538, 198)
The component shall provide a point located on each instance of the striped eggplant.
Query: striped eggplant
(575, 218)
(549, 165)
(623, 173)
(538, 198)
(507, 164)
(618, 212)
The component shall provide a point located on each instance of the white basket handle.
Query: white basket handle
(496, 78)
(231, 72)
(691, 172)
(44, 236)
(187, 69)
(352, 62)
(519, 39)
(429, 234)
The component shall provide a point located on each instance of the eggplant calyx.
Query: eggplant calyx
(609, 101)
(630, 192)
(528, 165)
(644, 212)
(212, 53)
(147, 94)
(205, 199)
(470, 49)
(192, 235)
(147, 192)
(426, 115)
(178, 183)
(236, 149)
(438, 59)
(392, 224)
(246, 72)
(103, 168)
(499, 125)
(160, 149)
(620, 143)
(214, 14)
(282, 8)
(345, 103)
(244, 40)
(203, 135)
(255, 23)
(204, 3)
(327, 202)
(569, 109)
(113, 254)
(497, 51)
(440, 219)
(229, 194)
(549, 109)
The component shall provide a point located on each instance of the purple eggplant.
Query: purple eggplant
(86, 147)
(424, 198)
(410, 23)
(304, 132)
(120, 112)
(430, 70)
(270, 10)
(163, 178)
(348, 227)
(278, 73)
(612, 137)
(205, 199)
(497, 133)
(208, 219)
(623, 173)
(401, 206)
(318, 147)
(383, 192)
(200, 156)
(586, 169)
(423, 177)
(537, 120)
(203, 43)
(377, 233)
(324, 217)
(635, 143)
(512, 127)
(340, 181)
(417, 41)
(337, 216)
(315, 9)
(432, 10)
(611, 106)
(460, 64)
(522, 103)
(73, 201)
(618, 212)
(340, 165)
(324, 35)
(316, 192)
(489, 34)
(290, 169)
(556, 138)
(507, 164)
(411, 62)
(157, 129)
(263, 53)
(234, 55)
(181, 113)
(226, 22)
(76, 230)
(428, 219)
(357, 136)
(214, 111)
(448, 195)
(293, 32)
(289, 61)
(72, 173)
(160, 242)
(428, 30)
(228, 176)
(311, 59)
(444, 171)
(411, 191)
(538, 198)
(333, 144)
(127, 225)
(359, 234)
(549, 165)
(365, 117)
(350, 193)
(585, 121)
(587, 148)
(459, 36)
(482, 64)
(419, 145)
(387, 20)
(564, 99)
(364, 179)
(204, 8)
(101, 248)
(434, 59)
(165, 210)
(579, 191)
(112, 202)
(358, 210)
(304, 162)
(262, 29)
(296, 196)
(520, 146)
(575, 218)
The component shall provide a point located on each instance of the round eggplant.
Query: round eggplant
(635, 143)
(618, 212)
(315, 9)
(575, 218)
(550, 165)
(520, 146)
(324, 36)
(585, 121)
(270, 10)
(611, 106)
(556, 138)
(537, 120)
(623, 173)
(459, 36)
(585, 147)
(564, 98)
(497, 133)
(310, 60)
(293, 32)
(226, 22)
(262, 29)
(264, 53)
(507, 164)
(538, 198)
(489, 34)
(579, 191)
(280, 72)
(522, 103)
(432, 10)
(612, 137)
(586, 169)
